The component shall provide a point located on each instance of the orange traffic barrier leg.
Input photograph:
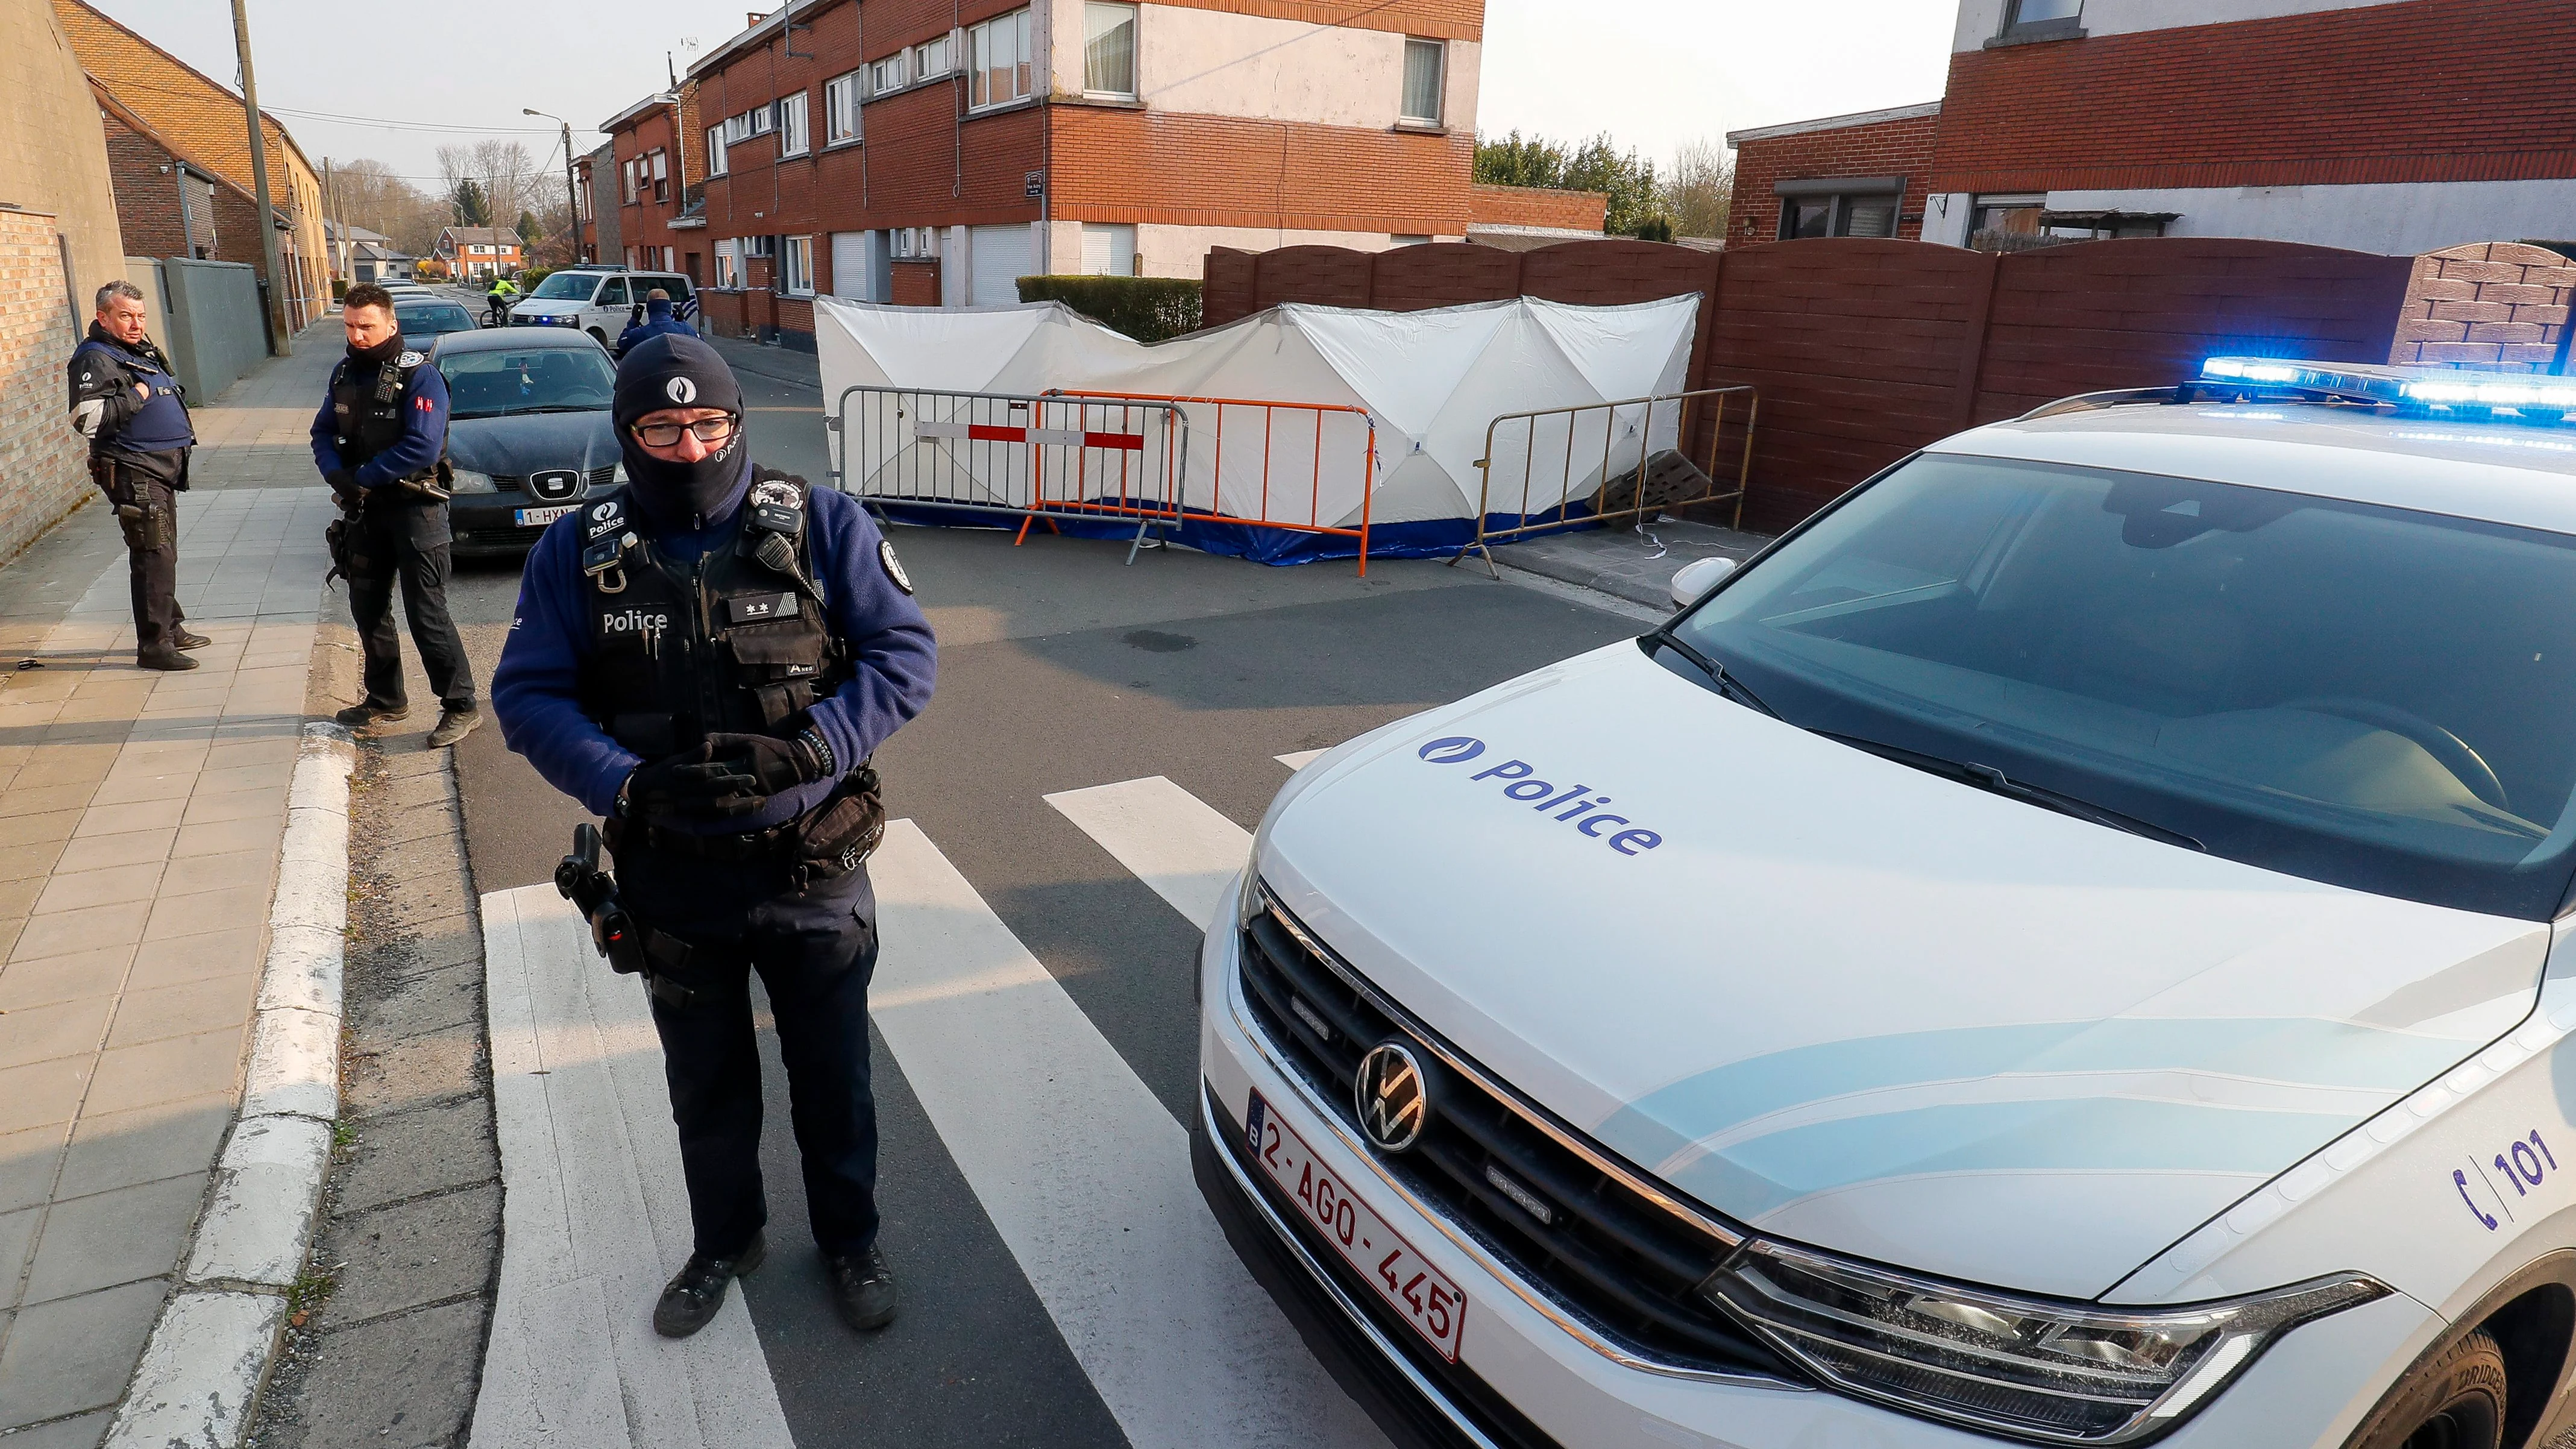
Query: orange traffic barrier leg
(1024, 530)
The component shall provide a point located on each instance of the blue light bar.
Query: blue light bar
(2431, 388)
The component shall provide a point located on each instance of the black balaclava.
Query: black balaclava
(380, 354)
(674, 371)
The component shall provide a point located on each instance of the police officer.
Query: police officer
(656, 321)
(708, 657)
(381, 442)
(135, 415)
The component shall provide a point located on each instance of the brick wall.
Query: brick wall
(1883, 148)
(44, 461)
(2488, 304)
(1537, 206)
(2422, 90)
(1122, 165)
(916, 283)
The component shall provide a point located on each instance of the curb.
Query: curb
(212, 1346)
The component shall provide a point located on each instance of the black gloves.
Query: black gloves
(691, 783)
(342, 484)
(776, 764)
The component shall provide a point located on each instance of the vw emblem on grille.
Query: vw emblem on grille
(1394, 1100)
(554, 483)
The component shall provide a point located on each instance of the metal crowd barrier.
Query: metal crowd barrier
(1028, 457)
(1552, 442)
(1254, 480)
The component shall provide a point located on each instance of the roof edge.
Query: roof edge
(1833, 123)
(285, 137)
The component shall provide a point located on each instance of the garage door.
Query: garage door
(850, 266)
(1003, 255)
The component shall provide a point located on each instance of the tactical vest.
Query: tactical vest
(366, 419)
(160, 424)
(734, 643)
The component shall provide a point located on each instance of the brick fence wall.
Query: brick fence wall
(1537, 206)
(44, 462)
(1865, 350)
(2488, 304)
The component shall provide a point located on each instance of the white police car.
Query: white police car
(600, 301)
(2058, 948)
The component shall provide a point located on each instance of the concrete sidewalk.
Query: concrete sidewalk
(140, 822)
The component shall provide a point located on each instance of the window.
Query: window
(759, 121)
(841, 109)
(997, 58)
(1840, 206)
(890, 74)
(630, 256)
(626, 180)
(1109, 49)
(791, 125)
(931, 58)
(913, 242)
(1424, 64)
(728, 264)
(661, 175)
(2041, 19)
(799, 270)
(715, 151)
(611, 294)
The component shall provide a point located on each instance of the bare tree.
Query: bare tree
(502, 172)
(370, 194)
(1699, 189)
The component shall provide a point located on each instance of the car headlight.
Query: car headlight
(567, 319)
(2060, 1372)
(469, 481)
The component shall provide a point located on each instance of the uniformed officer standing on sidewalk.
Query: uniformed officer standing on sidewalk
(135, 415)
(708, 657)
(381, 442)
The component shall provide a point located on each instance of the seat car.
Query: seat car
(2066, 946)
(600, 302)
(424, 319)
(528, 432)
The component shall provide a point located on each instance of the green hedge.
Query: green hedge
(1148, 309)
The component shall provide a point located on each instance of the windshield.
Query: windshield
(568, 284)
(418, 320)
(492, 381)
(2367, 696)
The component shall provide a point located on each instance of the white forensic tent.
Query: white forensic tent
(1430, 381)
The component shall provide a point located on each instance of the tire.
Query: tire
(2453, 1401)
(599, 337)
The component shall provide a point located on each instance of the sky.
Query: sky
(1653, 73)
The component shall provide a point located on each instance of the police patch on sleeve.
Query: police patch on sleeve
(411, 359)
(893, 566)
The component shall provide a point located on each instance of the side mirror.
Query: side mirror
(1693, 580)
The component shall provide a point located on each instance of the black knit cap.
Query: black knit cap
(673, 371)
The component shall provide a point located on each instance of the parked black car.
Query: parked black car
(528, 431)
(424, 320)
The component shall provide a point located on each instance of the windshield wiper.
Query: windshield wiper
(1728, 686)
(567, 408)
(1994, 781)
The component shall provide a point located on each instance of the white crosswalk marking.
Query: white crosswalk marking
(1083, 1172)
(594, 1217)
(1300, 759)
(1169, 838)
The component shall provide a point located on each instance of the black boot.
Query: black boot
(690, 1301)
(163, 659)
(359, 716)
(863, 1289)
(185, 640)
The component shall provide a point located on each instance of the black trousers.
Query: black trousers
(393, 545)
(815, 953)
(152, 561)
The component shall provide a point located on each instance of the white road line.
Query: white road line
(1086, 1177)
(1301, 758)
(1169, 838)
(594, 1217)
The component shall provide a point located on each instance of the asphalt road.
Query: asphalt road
(1060, 668)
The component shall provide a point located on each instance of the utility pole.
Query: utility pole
(572, 189)
(279, 343)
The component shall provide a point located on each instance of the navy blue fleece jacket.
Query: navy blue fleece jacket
(535, 691)
(424, 434)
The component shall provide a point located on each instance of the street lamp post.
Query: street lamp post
(572, 189)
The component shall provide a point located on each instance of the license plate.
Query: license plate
(540, 517)
(1408, 1283)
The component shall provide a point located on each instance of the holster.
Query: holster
(139, 515)
(825, 843)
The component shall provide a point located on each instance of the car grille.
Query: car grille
(596, 478)
(1612, 1256)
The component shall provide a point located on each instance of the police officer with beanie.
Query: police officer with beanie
(707, 658)
(135, 415)
(381, 442)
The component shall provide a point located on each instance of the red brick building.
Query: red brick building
(1859, 175)
(654, 175)
(939, 151)
(2396, 126)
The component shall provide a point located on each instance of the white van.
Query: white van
(600, 301)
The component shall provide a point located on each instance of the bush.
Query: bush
(1148, 309)
(339, 289)
(527, 280)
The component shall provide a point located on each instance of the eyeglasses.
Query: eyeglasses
(667, 435)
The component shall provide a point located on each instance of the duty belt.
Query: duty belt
(778, 842)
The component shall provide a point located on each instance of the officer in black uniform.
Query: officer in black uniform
(381, 441)
(708, 658)
(135, 415)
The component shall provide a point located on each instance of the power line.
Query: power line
(379, 121)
